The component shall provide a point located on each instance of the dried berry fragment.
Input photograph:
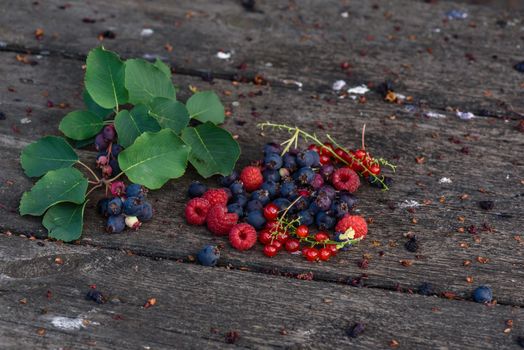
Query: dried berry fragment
(232, 337)
(486, 205)
(425, 289)
(356, 330)
(412, 245)
(95, 296)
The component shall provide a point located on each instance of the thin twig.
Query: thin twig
(91, 171)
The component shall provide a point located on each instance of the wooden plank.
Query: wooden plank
(493, 164)
(196, 306)
(465, 64)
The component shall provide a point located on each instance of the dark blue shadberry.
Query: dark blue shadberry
(226, 181)
(116, 149)
(116, 224)
(339, 208)
(237, 188)
(271, 175)
(304, 175)
(114, 207)
(288, 189)
(95, 296)
(324, 221)
(350, 199)
(209, 255)
(132, 206)
(272, 147)
(256, 219)
(102, 205)
(289, 162)
(282, 203)
(113, 163)
(483, 294)
(261, 195)
(426, 289)
(236, 208)
(254, 205)
(146, 212)
(273, 161)
(240, 199)
(308, 158)
(305, 217)
(328, 191)
(271, 187)
(323, 202)
(134, 190)
(196, 189)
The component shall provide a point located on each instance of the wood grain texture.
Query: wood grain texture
(465, 64)
(196, 306)
(493, 164)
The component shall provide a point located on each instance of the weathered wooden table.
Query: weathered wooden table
(297, 46)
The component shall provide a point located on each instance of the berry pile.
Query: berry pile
(281, 198)
(127, 207)
(107, 158)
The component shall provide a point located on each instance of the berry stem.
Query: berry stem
(94, 188)
(90, 171)
(363, 137)
(116, 177)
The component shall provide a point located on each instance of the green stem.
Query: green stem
(90, 171)
(116, 177)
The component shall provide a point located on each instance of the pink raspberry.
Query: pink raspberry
(243, 236)
(196, 211)
(219, 221)
(345, 179)
(216, 197)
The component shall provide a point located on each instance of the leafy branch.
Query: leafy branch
(136, 100)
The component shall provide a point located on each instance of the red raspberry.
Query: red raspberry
(219, 221)
(252, 178)
(243, 236)
(345, 179)
(216, 196)
(355, 222)
(196, 211)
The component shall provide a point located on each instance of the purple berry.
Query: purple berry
(273, 161)
(196, 189)
(116, 223)
(317, 182)
(109, 133)
(256, 219)
(100, 143)
(208, 256)
(326, 171)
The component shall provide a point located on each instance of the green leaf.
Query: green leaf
(93, 107)
(154, 158)
(64, 221)
(80, 125)
(105, 77)
(206, 107)
(169, 113)
(213, 149)
(48, 153)
(163, 67)
(131, 124)
(144, 82)
(57, 186)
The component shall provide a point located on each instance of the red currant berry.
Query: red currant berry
(314, 147)
(340, 152)
(302, 231)
(277, 244)
(292, 245)
(321, 237)
(360, 154)
(303, 192)
(324, 254)
(271, 211)
(324, 159)
(326, 150)
(270, 250)
(374, 169)
(332, 248)
(265, 236)
(282, 237)
(271, 225)
(312, 254)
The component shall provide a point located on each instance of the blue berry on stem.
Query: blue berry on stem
(304, 175)
(108, 132)
(289, 161)
(350, 199)
(282, 203)
(305, 218)
(308, 158)
(288, 189)
(271, 187)
(208, 256)
(116, 149)
(272, 147)
(114, 165)
(100, 143)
